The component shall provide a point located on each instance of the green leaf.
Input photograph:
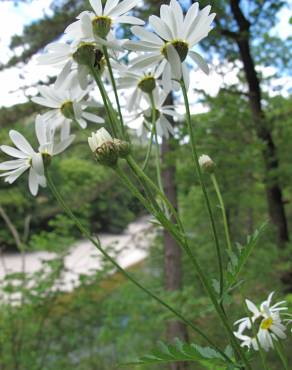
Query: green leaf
(237, 261)
(180, 351)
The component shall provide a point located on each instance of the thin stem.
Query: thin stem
(203, 278)
(115, 89)
(281, 355)
(199, 172)
(157, 153)
(223, 210)
(97, 243)
(149, 149)
(98, 81)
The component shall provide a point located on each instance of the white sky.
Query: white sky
(14, 18)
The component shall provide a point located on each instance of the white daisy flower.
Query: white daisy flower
(97, 25)
(67, 106)
(140, 82)
(26, 159)
(173, 39)
(142, 116)
(45, 133)
(61, 55)
(266, 320)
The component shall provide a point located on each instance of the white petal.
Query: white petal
(148, 61)
(128, 19)
(40, 129)
(63, 75)
(20, 142)
(38, 164)
(175, 62)
(92, 117)
(33, 182)
(160, 27)
(252, 307)
(60, 147)
(14, 175)
(96, 6)
(82, 123)
(12, 165)
(65, 130)
(199, 60)
(12, 151)
(186, 75)
(123, 7)
(42, 101)
(178, 15)
(110, 5)
(146, 35)
(189, 18)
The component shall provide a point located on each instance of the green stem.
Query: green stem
(281, 355)
(219, 308)
(223, 210)
(97, 244)
(99, 83)
(199, 172)
(157, 156)
(203, 278)
(115, 90)
(149, 149)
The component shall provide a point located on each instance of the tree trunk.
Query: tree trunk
(172, 251)
(273, 188)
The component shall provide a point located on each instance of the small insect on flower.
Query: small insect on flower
(265, 321)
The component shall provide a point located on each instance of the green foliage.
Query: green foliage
(179, 352)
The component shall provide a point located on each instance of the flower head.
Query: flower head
(67, 106)
(173, 39)
(266, 321)
(26, 159)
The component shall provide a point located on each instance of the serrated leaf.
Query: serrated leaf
(181, 352)
(244, 252)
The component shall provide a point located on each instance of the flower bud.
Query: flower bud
(206, 163)
(85, 54)
(102, 144)
(123, 148)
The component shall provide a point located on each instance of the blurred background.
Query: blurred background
(62, 305)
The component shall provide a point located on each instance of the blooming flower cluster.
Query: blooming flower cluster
(264, 323)
(145, 70)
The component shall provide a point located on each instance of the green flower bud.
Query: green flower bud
(123, 148)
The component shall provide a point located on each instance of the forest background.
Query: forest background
(243, 119)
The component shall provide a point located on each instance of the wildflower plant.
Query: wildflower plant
(158, 64)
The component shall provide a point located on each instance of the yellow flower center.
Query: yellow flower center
(182, 48)
(267, 323)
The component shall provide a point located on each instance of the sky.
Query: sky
(16, 17)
